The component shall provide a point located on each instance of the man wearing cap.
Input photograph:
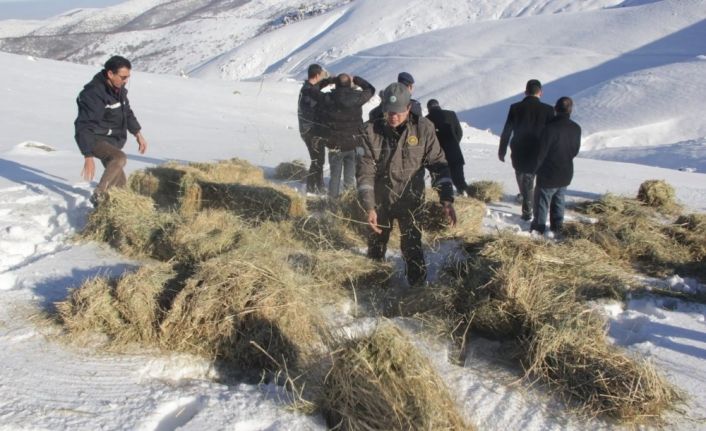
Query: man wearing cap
(449, 133)
(559, 143)
(309, 112)
(407, 80)
(524, 124)
(395, 151)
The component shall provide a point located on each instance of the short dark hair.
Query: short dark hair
(533, 87)
(343, 80)
(116, 63)
(405, 78)
(432, 103)
(564, 105)
(314, 70)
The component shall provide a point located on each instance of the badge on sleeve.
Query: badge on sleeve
(412, 141)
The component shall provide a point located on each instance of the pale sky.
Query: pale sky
(38, 9)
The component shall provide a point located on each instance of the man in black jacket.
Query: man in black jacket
(407, 80)
(449, 132)
(524, 124)
(310, 122)
(343, 114)
(104, 118)
(395, 152)
(558, 145)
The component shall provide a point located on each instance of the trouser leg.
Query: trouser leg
(317, 153)
(556, 210)
(542, 199)
(335, 161)
(377, 243)
(526, 184)
(458, 178)
(113, 160)
(411, 245)
(349, 169)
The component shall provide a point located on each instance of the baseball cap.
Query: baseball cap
(395, 98)
(405, 78)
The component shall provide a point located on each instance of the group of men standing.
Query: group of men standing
(544, 142)
(386, 156)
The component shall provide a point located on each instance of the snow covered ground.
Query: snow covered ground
(638, 81)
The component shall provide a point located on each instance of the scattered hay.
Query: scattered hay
(485, 191)
(469, 215)
(127, 221)
(533, 292)
(632, 232)
(381, 382)
(690, 230)
(658, 194)
(253, 202)
(235, 305)
(201, 237)
(291, 171)
(326, 231)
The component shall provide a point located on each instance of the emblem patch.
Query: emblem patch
(412, 141)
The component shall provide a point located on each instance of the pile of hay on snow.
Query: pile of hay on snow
(469, 215)
(291, 171)
(381, 382)
(251, 202)
(531, 292)
(632, 232)
(485, 191)
(690, 230)
(127, 221)
(658, 194)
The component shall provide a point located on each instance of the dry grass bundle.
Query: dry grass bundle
(381, 382)
(341, 268)
(201, 237)
(523, 290)
(350, 211)
(291, 171)
(127, 221)
(658, 194)
(253, 202)
(469, 215)
(485, 191)
(235, 170)
(690, 230)
(326, 231)
(631, 232)
(234, 303)
(126, 309)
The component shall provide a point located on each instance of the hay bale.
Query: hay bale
(201, 237)
(127, 221)
(235, 170)
(485, 191)
(381, 382)
(234, 303)
(522, 289)
(253, 202)
(292, 171)
(658, 194)
(91, 308)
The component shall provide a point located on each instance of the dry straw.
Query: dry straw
(291, 171)
(533, 292)
(382, 382)
(485, 191)
(658, 194)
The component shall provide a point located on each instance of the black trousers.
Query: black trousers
(317, 155)
(407, 216)
(458, 178)
(526, 184)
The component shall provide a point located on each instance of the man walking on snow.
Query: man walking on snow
(310, 124)
(104, 118)
(449, 133)
(524, 124)
(396, 150)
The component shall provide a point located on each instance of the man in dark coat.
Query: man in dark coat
(343, 113)
(104, 118)
(449, 133)
(558, 145)
(524, 124)
(407, 80)
(310, 122)
(396, 150)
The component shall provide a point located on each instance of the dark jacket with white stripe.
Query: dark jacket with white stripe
(104, 114)
(391, 168)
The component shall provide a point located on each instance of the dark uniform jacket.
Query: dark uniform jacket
(309, 107)
(449, 133)
(343, 115)
(558, 145)
(104, 114)
(525, 122)
(391, 167)
(376, 113)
